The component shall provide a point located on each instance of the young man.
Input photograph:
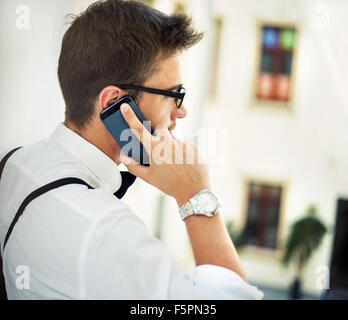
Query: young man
(75, 242)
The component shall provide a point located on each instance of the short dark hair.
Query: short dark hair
(114, 42)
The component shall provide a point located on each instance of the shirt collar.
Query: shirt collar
(101, 166)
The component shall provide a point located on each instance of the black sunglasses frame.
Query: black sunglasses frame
(179, 96)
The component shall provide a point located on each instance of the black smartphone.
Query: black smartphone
(121, 132)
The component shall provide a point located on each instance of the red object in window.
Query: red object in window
(282, 87)
(265, 87)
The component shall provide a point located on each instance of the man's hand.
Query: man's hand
(174, 167)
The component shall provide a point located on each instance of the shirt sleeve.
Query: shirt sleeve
(120, 260)
(215, 282)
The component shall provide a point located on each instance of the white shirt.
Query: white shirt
(80, 243)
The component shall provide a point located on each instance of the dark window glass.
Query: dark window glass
(262, 215)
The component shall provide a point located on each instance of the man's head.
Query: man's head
(122, 42)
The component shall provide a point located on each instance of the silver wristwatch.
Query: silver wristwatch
(204, 203)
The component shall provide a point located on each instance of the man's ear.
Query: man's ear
(108, 96)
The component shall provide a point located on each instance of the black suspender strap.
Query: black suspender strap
(4, 160)
(39, 192)
(3, 294)
(27, 200)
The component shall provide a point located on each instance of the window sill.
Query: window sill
(286, 106)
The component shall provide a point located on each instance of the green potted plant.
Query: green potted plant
(305, 236)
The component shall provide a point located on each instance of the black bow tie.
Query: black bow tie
(127, 180)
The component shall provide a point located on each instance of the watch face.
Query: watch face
(207, 202)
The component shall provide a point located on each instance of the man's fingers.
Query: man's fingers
(133, 166)
(137, 127)
(126, 160)
(162, 130)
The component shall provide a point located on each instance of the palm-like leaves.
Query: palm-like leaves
(305, 237)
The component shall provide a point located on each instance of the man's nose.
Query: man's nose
(179, 113)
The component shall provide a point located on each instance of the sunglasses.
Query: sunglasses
(179, 94)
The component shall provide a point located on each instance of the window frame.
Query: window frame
(256, 103)
(150, 3)
(219, 26)
(176, 6)
(277, 252)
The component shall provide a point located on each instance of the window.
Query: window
(274, 76)
(218, 24)
(150, 3)
(263, 212)
(179, 7)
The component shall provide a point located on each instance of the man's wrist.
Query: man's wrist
(182, 199)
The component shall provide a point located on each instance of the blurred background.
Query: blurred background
(269, 80)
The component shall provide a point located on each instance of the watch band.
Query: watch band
(191, 207)
(186, 210)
